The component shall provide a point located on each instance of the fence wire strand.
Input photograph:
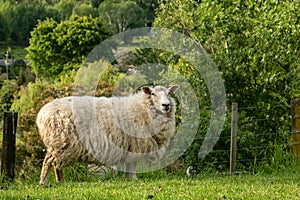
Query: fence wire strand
(226, 150)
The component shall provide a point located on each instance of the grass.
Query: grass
(279, 185)
(18, 52)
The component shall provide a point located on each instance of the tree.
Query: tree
(65, 8)
(4, 28)
(5, 16)
(96, 3)
(85, 10)
(56, 48)
(19, 18)
(121, 15)
(256, 47)
(149, 6)
(23, 19)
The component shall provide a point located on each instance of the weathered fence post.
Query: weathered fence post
(295, 107)
(9, 145)
(233, 146)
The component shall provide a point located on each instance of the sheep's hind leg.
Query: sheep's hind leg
(58, 174)
(131, 170)
(46, 168)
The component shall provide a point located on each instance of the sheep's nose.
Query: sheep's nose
(166, 106)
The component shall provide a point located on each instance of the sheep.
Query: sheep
(110, 131)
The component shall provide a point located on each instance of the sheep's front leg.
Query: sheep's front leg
(131, 170)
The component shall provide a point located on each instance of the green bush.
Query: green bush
(57, 48)
(7, 91)
(255, 47)
(25, 99)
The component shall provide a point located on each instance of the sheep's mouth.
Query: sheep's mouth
(165, 108)
(160, 111)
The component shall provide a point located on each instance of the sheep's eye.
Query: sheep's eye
(153, 94)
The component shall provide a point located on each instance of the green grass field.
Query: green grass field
(279, 185)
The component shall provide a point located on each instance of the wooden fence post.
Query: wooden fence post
(295, 107)
(9, 145)
(233, 147)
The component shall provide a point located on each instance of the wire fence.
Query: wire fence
(255, 148)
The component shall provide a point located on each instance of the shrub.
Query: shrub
(8, 88)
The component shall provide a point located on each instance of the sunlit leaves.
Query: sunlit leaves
(256, 46)
(56, 47)
(121, 15)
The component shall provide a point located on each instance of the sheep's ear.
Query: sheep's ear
(173, 89)
(147, 90)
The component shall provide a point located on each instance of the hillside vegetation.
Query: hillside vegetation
(254, 44)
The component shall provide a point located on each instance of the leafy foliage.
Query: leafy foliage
(6, 95)
(256, 48)
(4, 33)
(255, 45)
(65, 9)
(18, 18)
(85, 10)
(121, 15)
(56, 48)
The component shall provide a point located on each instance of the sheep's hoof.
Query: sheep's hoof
(42, 183)
(130, 176)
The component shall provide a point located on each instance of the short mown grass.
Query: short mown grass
(279, 185)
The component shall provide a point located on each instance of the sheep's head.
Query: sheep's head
(160, 96)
